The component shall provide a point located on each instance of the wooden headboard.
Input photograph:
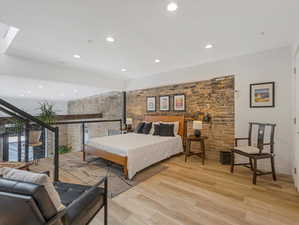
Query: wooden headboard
(180, 119)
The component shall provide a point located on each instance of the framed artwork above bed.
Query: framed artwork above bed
(151, 104)
(164, 102)
(179, 103)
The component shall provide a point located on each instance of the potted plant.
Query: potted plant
(47, 113)
(48, 116)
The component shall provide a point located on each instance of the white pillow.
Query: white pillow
(36, 178)
(176, 126)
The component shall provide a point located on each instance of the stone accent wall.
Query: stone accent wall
(110, 104)
(215, 96)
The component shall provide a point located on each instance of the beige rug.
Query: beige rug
(92, 171)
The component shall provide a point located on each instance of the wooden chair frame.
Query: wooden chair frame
(253, 158)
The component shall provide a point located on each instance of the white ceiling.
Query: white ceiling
(54, 30)
(24, 88)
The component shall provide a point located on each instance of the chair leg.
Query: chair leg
(251, 165)
(232, 161)
(273, 168)
(254, 171)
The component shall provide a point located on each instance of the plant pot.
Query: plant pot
(34, 137)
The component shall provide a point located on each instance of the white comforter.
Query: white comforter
(142, 150)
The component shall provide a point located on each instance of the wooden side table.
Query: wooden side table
(201, 154)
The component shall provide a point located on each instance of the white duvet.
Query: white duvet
(142, 150)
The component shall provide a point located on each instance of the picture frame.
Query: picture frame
(262, 95)
(179, 103)
(151, 104)
(164, 102)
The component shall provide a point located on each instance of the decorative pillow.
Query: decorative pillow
(36, 178)
(147, 128)
(176, 126)
(167, 130)
(156, 130)
(153, 127)
(139, 128)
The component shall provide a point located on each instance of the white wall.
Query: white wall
(272, 65)
(32, 105)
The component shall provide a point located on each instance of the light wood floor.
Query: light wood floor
(189, 193)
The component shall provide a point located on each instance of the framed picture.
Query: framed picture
(151, 104)
(164, 103)
(262, 95)
(179, 102)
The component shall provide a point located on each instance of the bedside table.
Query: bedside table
(201, 154)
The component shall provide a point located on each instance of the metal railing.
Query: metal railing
(28, 120)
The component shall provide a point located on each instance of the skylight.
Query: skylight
(7, 35)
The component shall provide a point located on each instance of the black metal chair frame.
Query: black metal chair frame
(104, 181)
(253, 158)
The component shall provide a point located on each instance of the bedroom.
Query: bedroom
(146, 77)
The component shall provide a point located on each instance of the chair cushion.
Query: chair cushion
(248, 149)
(36, 178)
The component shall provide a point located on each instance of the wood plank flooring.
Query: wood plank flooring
(191, 194)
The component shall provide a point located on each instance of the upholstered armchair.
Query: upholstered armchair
(24, 203)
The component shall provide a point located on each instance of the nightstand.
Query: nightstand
(202, 153)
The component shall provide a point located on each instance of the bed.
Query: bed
(136, 152)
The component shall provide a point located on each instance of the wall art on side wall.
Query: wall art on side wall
(262, 95)
(179, 102)
(151, 104)
(164, 103)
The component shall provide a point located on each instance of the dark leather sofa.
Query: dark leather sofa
(29, 204)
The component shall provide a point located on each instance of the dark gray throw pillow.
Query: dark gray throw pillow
(156, 130)
(139, 128)
(166, 130)
(147, 128)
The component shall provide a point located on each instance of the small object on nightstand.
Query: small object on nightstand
(197, 126)
(202, 154)
(129, 122)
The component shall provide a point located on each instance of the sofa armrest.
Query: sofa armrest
(83, 209)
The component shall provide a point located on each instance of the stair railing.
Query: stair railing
(15, 112)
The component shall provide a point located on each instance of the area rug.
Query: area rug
(92, 171)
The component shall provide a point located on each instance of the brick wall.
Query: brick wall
(215, 96)
(110, 104)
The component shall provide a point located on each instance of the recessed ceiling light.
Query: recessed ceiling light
(40, 86)
(75, 91)
(157, 60)
(171, 7)
(77, 56)
(110, 39)
(123, 70)
(209, 46)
